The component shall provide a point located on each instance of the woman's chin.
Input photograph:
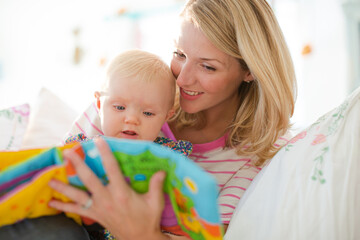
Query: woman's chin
(189, 107)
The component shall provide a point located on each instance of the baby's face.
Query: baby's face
(134, 110)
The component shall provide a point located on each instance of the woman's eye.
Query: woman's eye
(119, 107)
(179, 54)
(148, 114)
(208, 68)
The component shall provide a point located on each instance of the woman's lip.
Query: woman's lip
(189, 97)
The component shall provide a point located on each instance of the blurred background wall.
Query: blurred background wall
(65, 46)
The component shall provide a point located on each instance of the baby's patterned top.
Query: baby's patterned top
(181, 146)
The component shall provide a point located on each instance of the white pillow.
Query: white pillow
(13, 123)
(50, 119)
(311, 188)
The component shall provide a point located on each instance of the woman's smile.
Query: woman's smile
(190, 95)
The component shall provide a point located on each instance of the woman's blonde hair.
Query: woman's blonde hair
(249, 31)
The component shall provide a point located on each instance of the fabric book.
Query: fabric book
(190, 192)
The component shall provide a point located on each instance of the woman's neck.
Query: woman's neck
(218, 119)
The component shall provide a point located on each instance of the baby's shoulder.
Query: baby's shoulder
(181, 146)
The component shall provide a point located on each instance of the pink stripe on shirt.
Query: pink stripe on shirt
(221, 172)
(198, 157)
(78, 125)
(226, 213)
(93, 125)
(227, 205)
(250, 165)
(231, 195)
(205, 147)
(225, 160)
(234, 187)
(250, 179)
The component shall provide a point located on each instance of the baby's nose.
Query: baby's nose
(132, 119)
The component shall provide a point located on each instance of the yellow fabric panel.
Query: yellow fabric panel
(32, 201)
(11, 158)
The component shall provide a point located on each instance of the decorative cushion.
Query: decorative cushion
(50, 120)
(311, 188)
(13, 123)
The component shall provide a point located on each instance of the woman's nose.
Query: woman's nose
(184, 74)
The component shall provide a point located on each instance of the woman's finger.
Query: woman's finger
(73, 193)
(69, 207)
(112, 168)
(155, 193)
(86, 175)
(79, 197)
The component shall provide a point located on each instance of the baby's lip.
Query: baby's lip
(130, 133)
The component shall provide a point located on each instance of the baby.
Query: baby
(136, 99)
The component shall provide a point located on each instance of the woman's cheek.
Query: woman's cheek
(175, 68)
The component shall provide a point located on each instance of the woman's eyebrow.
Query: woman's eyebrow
(212, 59)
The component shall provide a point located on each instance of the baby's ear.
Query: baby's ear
(97, 96)
(170, 114)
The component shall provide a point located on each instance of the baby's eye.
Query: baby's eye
(119, 107)
(148, 114)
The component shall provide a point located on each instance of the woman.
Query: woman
(236, 95)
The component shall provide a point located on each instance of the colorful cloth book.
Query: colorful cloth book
(24, 191)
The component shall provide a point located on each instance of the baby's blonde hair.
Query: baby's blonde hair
(249, 31)
(141, 66)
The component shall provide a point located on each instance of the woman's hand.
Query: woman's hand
(125, 213)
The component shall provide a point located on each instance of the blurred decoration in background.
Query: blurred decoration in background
(307, 49)
(352, 15)
(78, 52)
(316, 34)
(1, 71)
(65, 46)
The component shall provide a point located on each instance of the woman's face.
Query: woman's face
(207, 77)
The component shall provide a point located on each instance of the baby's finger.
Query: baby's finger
(86, 175)
(112, 168)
